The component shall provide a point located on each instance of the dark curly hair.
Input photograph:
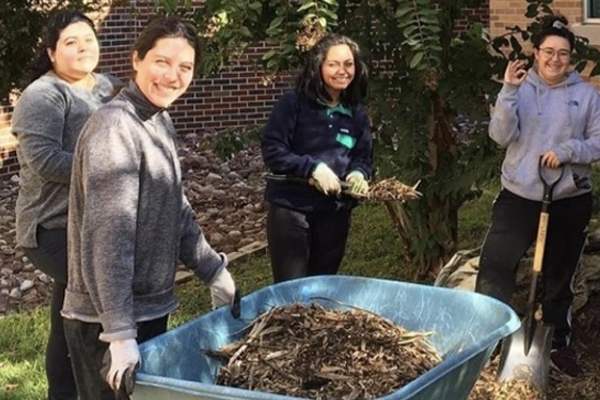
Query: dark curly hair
(553, 25)
(310, 82)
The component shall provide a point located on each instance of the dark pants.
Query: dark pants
(51, 257)
(514, 228)
(305, 244)
(87, 353)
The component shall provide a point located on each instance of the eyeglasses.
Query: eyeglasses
(550, 52)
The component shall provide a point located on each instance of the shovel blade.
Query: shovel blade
(533, 364)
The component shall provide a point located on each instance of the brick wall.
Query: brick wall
(505, 13)
(472, 15)
(8, 158)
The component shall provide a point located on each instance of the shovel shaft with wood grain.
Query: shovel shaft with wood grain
(525, 354)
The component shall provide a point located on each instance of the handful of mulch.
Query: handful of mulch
(392, 189)
(310, 351)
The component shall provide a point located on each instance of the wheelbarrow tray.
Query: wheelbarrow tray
(467, 327)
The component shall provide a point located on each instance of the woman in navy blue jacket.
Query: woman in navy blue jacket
(319, 131)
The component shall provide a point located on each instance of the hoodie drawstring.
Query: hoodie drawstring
(537, 99)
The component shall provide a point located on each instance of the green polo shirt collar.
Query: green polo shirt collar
(340, 109)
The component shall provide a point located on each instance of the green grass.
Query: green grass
(373, 250)
(22, 347)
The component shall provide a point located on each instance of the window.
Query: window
(592, 10)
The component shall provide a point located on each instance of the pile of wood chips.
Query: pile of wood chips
(392, 189)
(488, 388)
(309, 351)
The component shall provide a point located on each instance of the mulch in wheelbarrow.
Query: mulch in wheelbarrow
(310, 351)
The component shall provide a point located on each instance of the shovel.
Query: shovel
(525, 355)
(307, 181)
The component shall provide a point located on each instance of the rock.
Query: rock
(211, 177)
(7, 250)
(215, 238)
(29, 267)
(194, 161)
(17, 267)
(26, 285)
(15, 293)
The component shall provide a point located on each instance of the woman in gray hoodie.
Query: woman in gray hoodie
(546, 117)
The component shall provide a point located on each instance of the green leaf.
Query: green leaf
(401, 12)
(332, 16)
(275, 23)
(581, 66)
(330, 2)
(416, 59)
(255, 6)
(323, 22)
(222, 15)
(546, 9)
(269, 54)
(514, 43)
(410, 30)
(532, 11)
(595, 70)
(245, 31)
(306, 6)
(272, 63)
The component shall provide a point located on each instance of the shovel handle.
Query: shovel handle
(540, 242)
(549, 185)
(307, 181)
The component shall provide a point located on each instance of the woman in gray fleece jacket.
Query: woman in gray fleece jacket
(550, 116)
(48, 118)
(129, 220)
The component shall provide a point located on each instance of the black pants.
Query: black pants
(305, 244)
(87, 354)
(514, 228)
(51, 257)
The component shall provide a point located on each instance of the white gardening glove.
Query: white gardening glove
(222, 290)
(124, 362)
(358, 184)
(326, 180)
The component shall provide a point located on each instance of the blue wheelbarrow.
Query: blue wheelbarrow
(467, 327)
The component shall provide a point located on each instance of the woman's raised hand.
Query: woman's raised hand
(515, 72)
